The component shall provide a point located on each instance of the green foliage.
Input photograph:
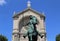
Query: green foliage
(3, 38)
(58, 37)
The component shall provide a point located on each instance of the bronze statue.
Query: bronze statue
(32, 33)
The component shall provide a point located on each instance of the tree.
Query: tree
(3, 38)
(58, 37)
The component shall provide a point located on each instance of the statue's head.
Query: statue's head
(33, 19)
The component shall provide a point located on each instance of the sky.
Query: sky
(51, 9)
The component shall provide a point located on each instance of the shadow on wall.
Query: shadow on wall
(23, 22)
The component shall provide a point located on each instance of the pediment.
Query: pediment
(26, 10)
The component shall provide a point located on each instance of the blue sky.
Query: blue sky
(51, 8)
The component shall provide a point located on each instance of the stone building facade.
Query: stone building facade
(21, 19)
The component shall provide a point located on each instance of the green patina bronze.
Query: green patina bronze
(32, 33)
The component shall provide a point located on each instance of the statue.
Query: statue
(32, 33)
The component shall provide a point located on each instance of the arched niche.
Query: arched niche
(22, 23)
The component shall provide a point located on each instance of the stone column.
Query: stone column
(15, 35)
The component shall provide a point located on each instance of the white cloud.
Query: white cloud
(2, 2)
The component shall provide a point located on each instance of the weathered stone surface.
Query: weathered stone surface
(19, 21)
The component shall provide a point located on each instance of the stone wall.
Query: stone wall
(18, 28)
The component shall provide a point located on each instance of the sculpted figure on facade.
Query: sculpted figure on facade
(32, 32)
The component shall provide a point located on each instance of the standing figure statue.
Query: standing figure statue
(32, 33)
